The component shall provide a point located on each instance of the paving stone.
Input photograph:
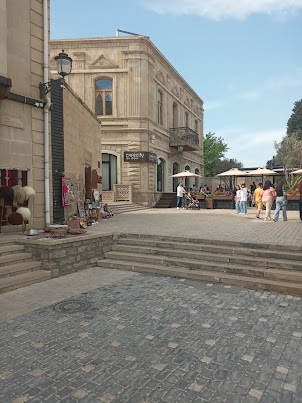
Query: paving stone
(226, 358)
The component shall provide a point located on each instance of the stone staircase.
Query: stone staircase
(124, 207)
(254, 266)
(17, 269)
(167, 200)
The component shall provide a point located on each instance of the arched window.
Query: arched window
(175, 180)
(197, 179)
(175, 115)
(159, 108)
(103, 94)
(99, 104)
(160, 174)
(187, 180)
(186, 119)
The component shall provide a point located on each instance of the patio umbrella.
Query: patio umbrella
(262, 172)
(298, 172)
(233, 172)
(185, 174)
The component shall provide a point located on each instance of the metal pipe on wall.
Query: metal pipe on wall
(46, 118)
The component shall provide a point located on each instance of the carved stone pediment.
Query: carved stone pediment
(175, 91)
(187, 102)
(160, 77)
(102, 62)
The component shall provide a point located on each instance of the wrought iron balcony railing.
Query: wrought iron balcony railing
(184, 137)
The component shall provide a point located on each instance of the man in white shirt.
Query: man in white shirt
(243, 199)
(180, 196)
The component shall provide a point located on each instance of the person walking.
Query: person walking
(281, 202)
(268, 195)
(243, 199)
(238, 191)
(257, 199)
(180, 196)
(300, 201)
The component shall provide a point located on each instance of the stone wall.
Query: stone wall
(63, 256)
(82, 145)
(21, 125)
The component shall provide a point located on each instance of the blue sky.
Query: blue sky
(242, 57)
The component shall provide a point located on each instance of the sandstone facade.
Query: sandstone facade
(21, 124)
(138, 72)
(22, 116)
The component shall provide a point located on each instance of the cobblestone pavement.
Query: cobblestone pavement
(144, 338)
(213, 224)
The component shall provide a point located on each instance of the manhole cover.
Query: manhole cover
(72, 305)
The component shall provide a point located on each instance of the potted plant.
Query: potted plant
(209, 201)
(292, 194)
(198, 195)
(224, 195)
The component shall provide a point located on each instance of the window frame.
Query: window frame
(186, 119)
(104, 94)
(159, 108)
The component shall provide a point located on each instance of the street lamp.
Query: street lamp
(64, 67)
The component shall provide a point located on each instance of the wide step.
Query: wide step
(20, 268)
(23, 280)
(11, 249)
(14, 258)
(255, 283)
(229, 256)
(217, 249)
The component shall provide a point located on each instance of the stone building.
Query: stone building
(24, 25)
(21, 111)
(152, 120)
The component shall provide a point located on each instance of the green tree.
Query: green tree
(213, 150)
(226, 164)
(289, 154)
(294, 123)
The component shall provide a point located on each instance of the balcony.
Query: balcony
(185, 138)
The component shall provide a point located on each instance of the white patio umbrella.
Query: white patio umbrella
(298, 172)
(262, 172)
(233, 172)
(185, 174)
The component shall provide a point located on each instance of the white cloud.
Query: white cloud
(213, 105)
(252, 148)
(293, 80)
(221, 9)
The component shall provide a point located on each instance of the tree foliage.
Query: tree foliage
(294, 123)
(289, 154)
(213, 149)
(288, 151)
(226, 164)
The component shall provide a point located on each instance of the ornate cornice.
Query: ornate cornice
(151, 51)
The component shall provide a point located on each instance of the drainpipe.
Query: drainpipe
(46, 118)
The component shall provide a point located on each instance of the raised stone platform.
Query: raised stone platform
(62, 256)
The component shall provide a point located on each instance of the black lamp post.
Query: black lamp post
(64, 67)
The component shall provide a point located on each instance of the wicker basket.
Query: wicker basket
(58, 231)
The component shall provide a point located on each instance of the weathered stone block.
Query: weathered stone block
(57, 254)
(49, 265)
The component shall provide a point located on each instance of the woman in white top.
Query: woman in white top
(243, 199)
(238, 193)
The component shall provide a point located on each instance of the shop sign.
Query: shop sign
(140, 156)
